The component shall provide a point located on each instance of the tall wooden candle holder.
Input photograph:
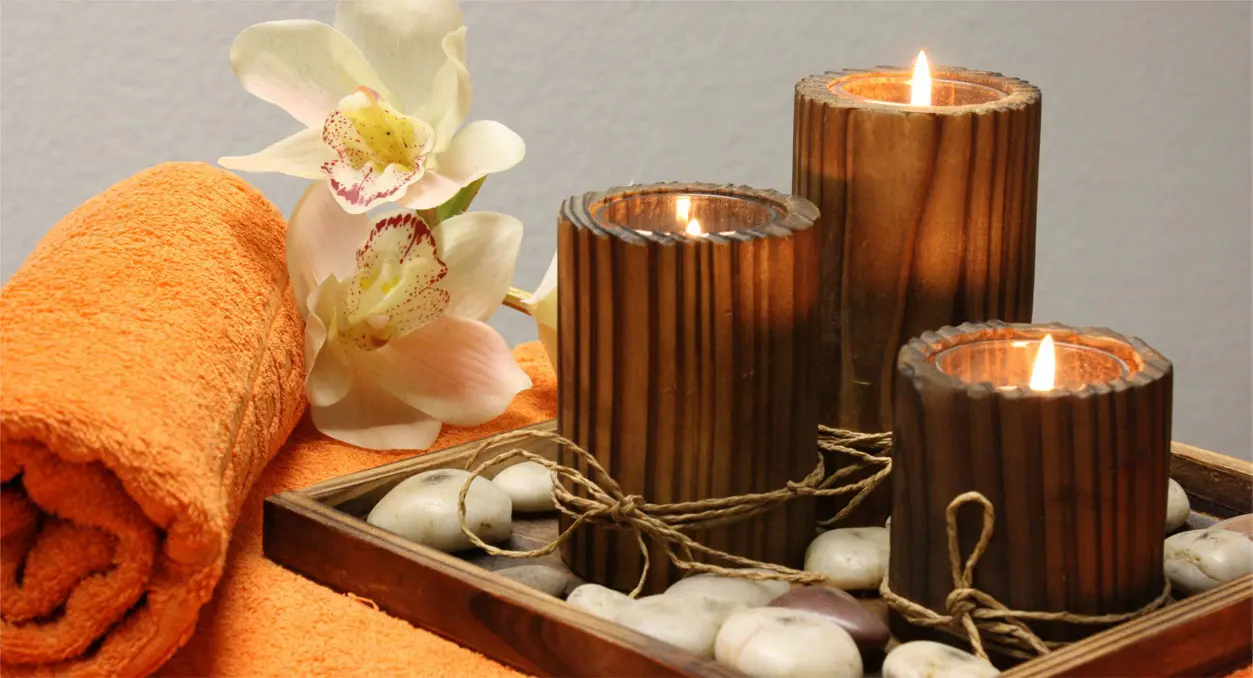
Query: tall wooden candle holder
(685, 361)
(1077, 474)
(927, 220)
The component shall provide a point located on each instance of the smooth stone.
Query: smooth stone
(1199, 560)
(852, 558)
(1242, 524)
(774, 641)
(599, 600)
(689, 622)
(542, 578)
(529, 486)
(751, 592)
(927, 659)
(1177, 506)
(423, 509)
(867, 630)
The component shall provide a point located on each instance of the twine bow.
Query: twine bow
(665, 524)
(979, 618)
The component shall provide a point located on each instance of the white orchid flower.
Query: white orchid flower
(382, 94)
(395, 343)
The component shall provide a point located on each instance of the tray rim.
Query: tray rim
(1205, 475)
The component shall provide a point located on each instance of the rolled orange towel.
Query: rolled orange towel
(151, 366)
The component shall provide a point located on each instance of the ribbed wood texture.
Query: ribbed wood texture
(685, 363)
(1077, 477)
(927, 218)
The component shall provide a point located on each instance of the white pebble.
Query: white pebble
(753, 593)
(1177, 506)
(1199, 560)
(927, 659)
(529, 485)
(774, 641)
(691, 623)
(601, 601)
(853, 558)
(423, 509)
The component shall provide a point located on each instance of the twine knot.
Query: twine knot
(980, 619)
(624, 510)
(960, 603)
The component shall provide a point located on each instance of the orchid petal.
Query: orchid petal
(304, 67)
(457, 370)
(369, 417)
(299, 155)
(321, 239)
(544, 310)
(402, 40)
(447, 103)
(480, 148)
(328, 374)
(480, 250)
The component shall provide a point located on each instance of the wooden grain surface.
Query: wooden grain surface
(685, 362)
(1078, 478)
(927, 219)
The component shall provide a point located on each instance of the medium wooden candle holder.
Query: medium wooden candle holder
(685, 361)
(927, 220)
(1077, 474)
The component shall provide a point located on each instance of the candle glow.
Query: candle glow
(920, 85)
(693, 228)
(1044, 371)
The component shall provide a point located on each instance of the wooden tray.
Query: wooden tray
(320, 532)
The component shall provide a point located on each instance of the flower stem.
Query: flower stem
(517, 300)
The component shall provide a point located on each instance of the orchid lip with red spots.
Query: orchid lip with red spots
(379, 150)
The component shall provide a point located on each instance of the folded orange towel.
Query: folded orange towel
(152, 365)
(268, 621)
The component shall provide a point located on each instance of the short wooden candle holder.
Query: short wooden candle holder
(685, 361)
(928, 217)
(1077, 474)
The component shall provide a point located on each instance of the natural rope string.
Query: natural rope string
(664, 524)
(981, 619)
(971, 613)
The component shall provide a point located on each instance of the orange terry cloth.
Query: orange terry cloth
(269, 621)
(152, 364)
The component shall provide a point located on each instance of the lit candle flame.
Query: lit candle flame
(693, 228)
(1044, 371)
(920, 86)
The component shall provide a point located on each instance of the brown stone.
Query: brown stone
(867, 630)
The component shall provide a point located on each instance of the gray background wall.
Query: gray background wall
(1144, 202)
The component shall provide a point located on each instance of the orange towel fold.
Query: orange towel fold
(151, 364)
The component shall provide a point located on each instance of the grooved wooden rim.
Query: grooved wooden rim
(916, 358)
(820, 88)
(793, 212)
